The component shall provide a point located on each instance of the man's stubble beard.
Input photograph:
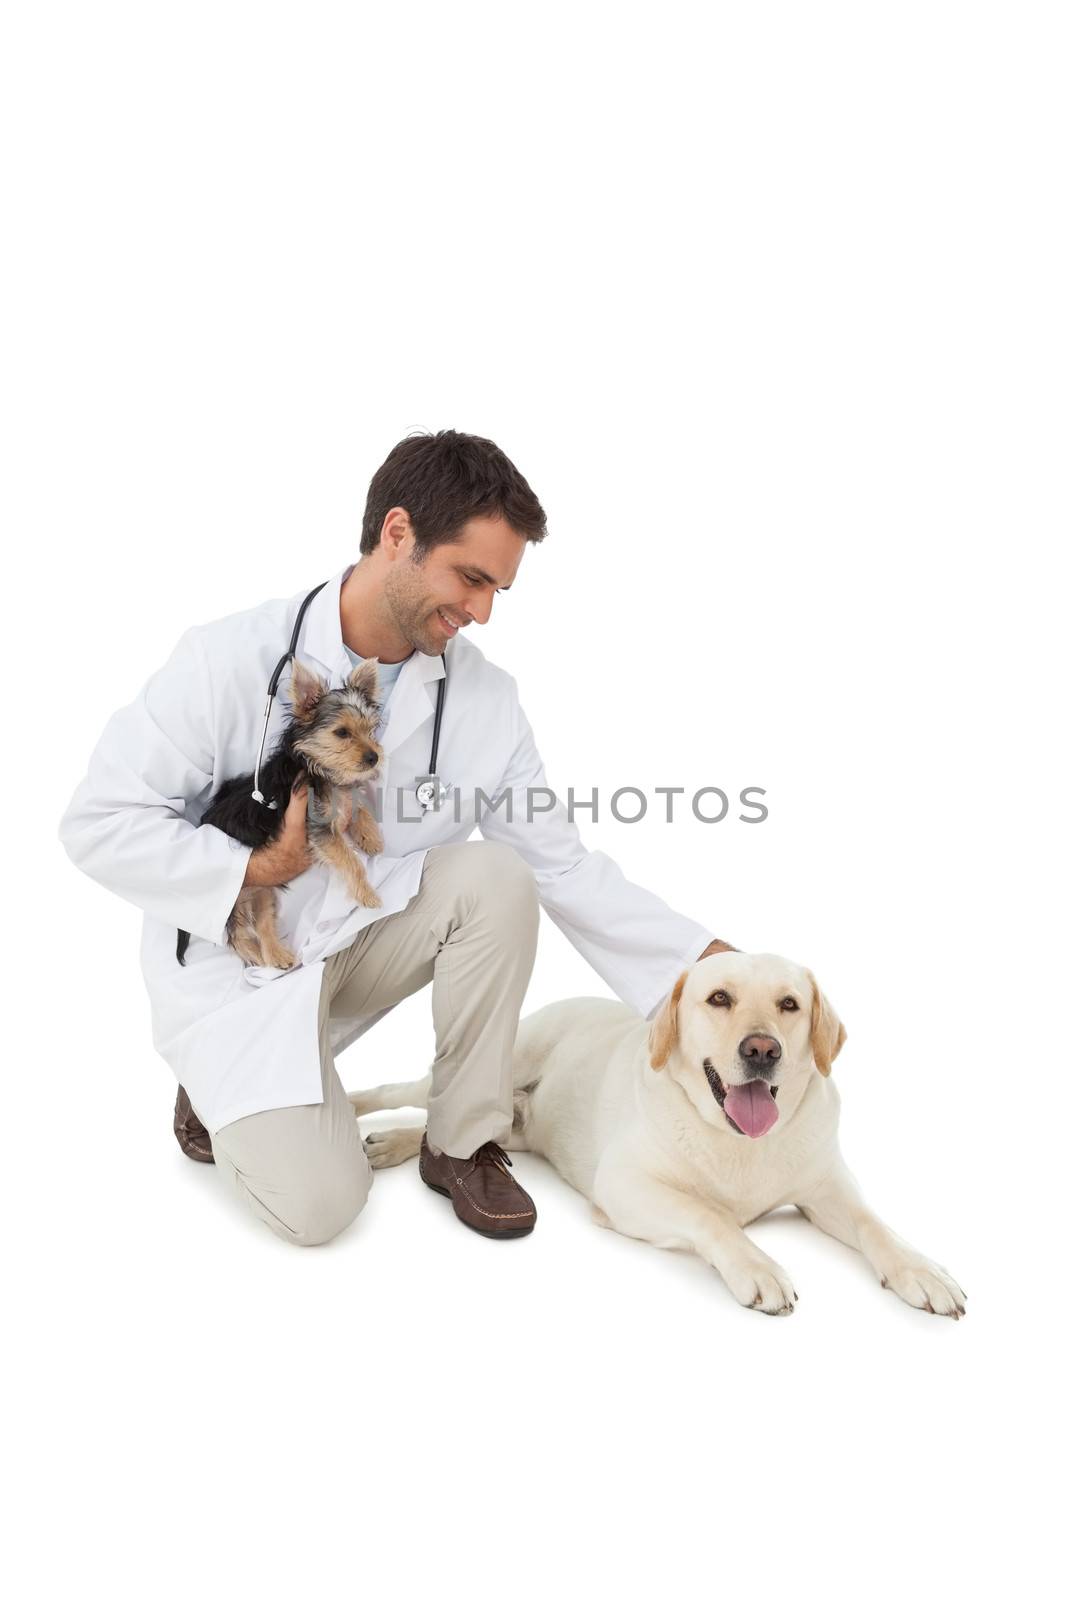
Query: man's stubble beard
(412, 611)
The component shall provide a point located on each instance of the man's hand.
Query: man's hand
(714, 947)
(288, 855)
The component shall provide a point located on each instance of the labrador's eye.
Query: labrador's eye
(788, 1004)
(719, 998)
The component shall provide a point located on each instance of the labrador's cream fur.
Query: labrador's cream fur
(626, 1111)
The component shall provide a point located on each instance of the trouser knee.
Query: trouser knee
(502, 884)
(318, 1215)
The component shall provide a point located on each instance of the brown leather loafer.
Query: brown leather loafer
(190, 1131)
(483, 1192)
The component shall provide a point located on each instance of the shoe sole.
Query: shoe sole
(486, 1233)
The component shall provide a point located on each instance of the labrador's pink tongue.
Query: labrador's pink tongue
(751, 1107)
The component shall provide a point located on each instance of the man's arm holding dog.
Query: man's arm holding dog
(125, 825)
(287, 856)
(636, 942)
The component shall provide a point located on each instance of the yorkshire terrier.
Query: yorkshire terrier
(329, 740)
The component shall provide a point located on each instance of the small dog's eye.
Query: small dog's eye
(719, 998)
(788, 1004)
(342, 733)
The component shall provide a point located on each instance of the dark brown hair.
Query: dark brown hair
(443, 479)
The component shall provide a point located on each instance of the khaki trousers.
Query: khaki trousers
(471, 931)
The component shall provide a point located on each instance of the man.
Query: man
(446, 526)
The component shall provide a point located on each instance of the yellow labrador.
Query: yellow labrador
(684, 1130)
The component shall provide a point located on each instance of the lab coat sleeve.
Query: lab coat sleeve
(636, 943)
(126, 824)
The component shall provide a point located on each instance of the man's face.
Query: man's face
(454, 584)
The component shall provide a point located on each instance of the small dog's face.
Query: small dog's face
(742, 1035)
(338, 727)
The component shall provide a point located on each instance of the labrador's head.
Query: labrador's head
(742, 1035)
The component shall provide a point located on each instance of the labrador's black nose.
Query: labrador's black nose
(760, 1054)
(370, 758)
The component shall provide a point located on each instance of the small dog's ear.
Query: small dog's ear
(827, 1030)
(664, 1035)
(306, 689)
(365, 678)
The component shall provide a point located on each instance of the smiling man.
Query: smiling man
(446, 527)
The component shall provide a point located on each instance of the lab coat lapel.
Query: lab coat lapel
(412, 700)
(320, 643)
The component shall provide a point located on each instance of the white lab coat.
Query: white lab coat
(244, 1040)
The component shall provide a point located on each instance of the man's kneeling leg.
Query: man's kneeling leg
(301, 1169)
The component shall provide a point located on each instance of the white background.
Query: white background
(767, 303)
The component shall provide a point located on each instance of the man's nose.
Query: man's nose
(480, 607)
(760, 1054)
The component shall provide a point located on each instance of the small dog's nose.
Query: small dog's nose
(370, 758)
(759, 1052)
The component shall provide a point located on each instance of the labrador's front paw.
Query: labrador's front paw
(392, 1146)
(761, 1284)
(925, 1285)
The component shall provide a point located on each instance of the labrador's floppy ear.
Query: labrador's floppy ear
(827, 1030)
(664, 1035)
(306, 689)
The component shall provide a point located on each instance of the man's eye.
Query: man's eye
(719, 998)
(788, 1004)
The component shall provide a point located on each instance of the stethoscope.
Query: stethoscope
(429, 791)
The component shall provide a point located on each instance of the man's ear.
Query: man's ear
(827, 1030)
(365, 678)
(306, 689)
(664, 1035)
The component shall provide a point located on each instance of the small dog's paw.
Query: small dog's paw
(926, 1286)
(392, 1146)
(369, 839)
(760, 1284)
(364, 832)
(277, 955)
(358, 885)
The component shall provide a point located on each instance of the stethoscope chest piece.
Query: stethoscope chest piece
(429, 792)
